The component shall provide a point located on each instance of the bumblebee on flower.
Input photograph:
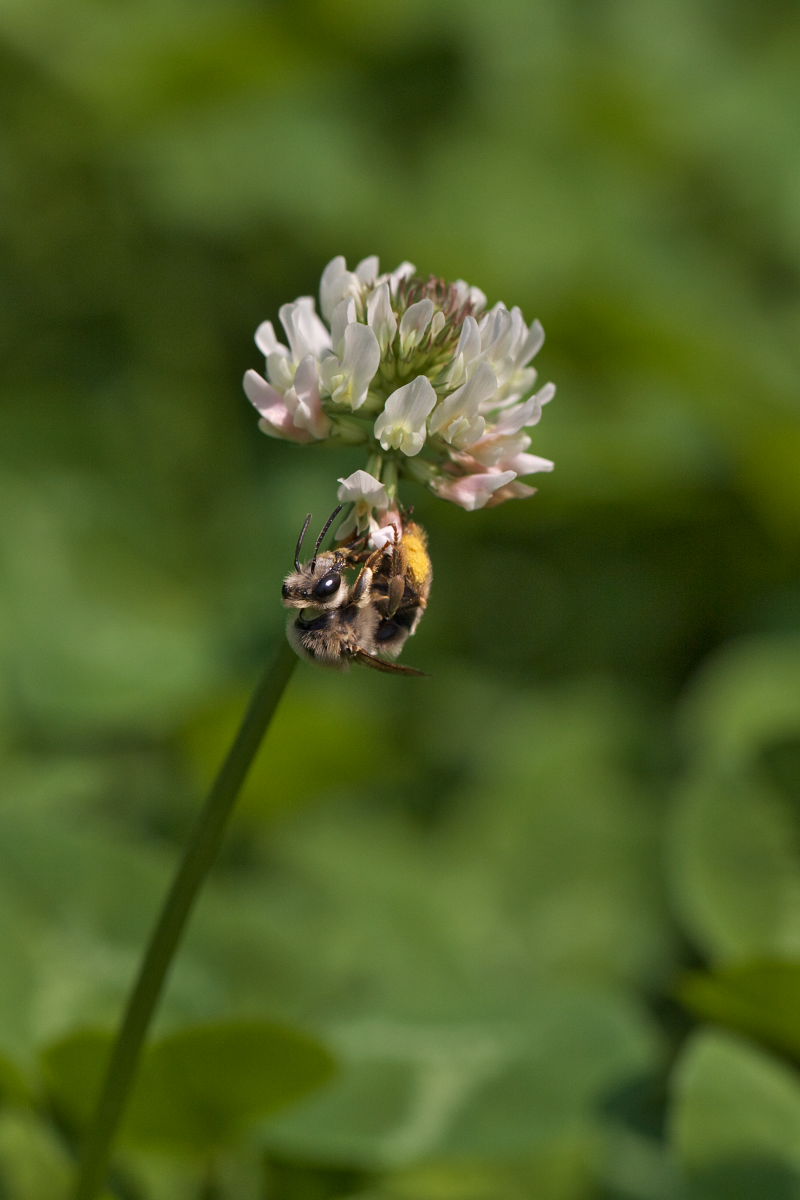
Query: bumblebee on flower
(437, 387)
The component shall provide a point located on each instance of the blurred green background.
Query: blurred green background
(529, 928)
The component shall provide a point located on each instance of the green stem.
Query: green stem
(198, 858)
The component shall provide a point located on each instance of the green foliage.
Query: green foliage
(762, 999)
(543, 908)
(199, 1087)
(736, 1121)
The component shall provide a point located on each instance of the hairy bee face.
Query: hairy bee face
(320, 584)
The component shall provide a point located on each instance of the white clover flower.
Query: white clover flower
(368, 496)
(436, 386)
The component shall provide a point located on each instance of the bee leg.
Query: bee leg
(394, 597)
(352, 548)
(397, 586)
(361, 588)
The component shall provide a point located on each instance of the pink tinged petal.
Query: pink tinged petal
(401, 425)
(413, 324)
(529, 464)
(511, 491)
(473, 491)
(309, 414)
(280, 369)
(266, 340)
(283, 427)
(304, 329)
(361, 487)
(260, 393)
(277, 417)
(497, 450)
(380, 316)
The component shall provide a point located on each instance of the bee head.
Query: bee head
(321, 582)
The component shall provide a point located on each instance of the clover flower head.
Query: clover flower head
(436, 386)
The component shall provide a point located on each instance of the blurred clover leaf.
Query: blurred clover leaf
(736, 1121)
(760, 999)
(734, 854)
(198, 1088)
(499, 1085)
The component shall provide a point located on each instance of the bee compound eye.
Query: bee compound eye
(285, 591)
(327, 586)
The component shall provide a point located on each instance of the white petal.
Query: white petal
(347, 378)
(380, 538)
(532, 343)
(404, 271)
(304, 329)
(513, 419)
(413, 323)
(401, 425)
(412, 402)
(456, 417)
(280, 369)
(344, 314)
(502, 335)
(381, 317)
(260, 394)
(362, 486)
(266, 340)
(367, 270)
(469, 343)
(361, 359)
(335, 283)
(477, 299)
(437, 324)
(467, 295)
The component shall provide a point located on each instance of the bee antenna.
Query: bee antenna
(300, 541)
(324, 530)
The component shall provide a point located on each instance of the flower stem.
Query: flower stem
(198, 858)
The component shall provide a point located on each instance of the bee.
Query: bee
(341, 621)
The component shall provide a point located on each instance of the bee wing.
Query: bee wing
(379, 664)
